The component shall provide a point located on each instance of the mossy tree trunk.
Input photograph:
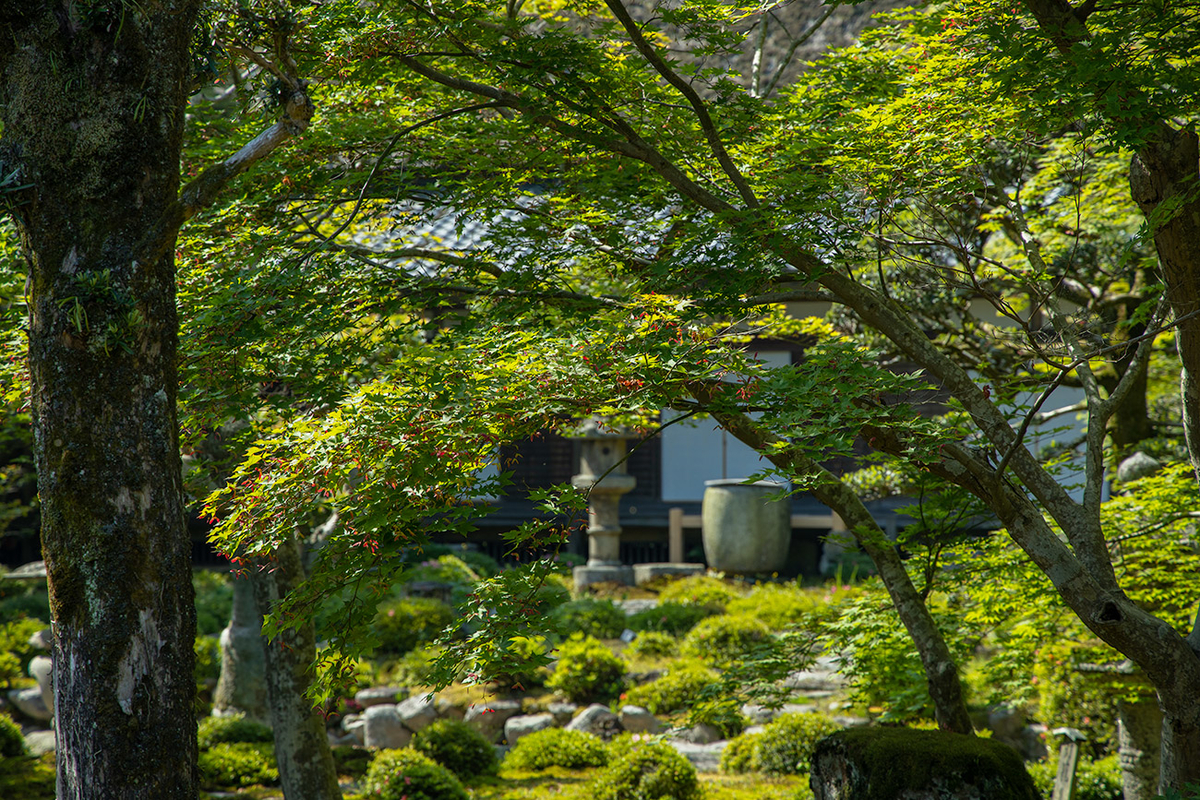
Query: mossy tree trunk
(306, 768)
(93, 98)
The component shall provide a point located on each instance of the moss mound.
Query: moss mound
(885, 763)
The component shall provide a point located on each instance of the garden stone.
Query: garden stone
(41, 640)
(1005, 722)
(1032, 743)
(380, 696)
(563, 712)
(416, 712)
(40, 742)
(597, 720)
(704, 757)
(41, 669)
(636, 719)
(489, 718)
(448, 710)
(352, 726)
(699, 734)
(382, 728)
(1138, 465)
(29, 702)
(343, 739)
(860, 763)
(523, 725)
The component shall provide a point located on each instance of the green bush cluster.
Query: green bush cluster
(458, 747)
(1094, 780)
(409, 775)
(721, 641)
(677, 690)
(1069, 697)
(700, 590)
(653, 644)
(403, 625)
(782, 748)
(523, 674)
(24, 599)
(237, 764)
(589, 616)
(776, 606)
(234, 729)
(653, 771)
(208, 658)
(587, 671)
(669, 617)
(214, 600)
(15, 650)
(12, 741)
(557, 747)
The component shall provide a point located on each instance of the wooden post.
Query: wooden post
(675, 535)
(1068, 759)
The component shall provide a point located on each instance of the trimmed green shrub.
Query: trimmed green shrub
(214, 600)
(776, 606)
(653, 644)
(557, 747)
(675, 691)
(738, 756)
(700, 590)
(234, 729)
(602, 619)
(27, 777)
(15, 650)
(458, 747)
(409, 775)
(521, 674)
(402, 625)
(238, 764)
(208, 658)
(669, 617)
(783, 748)
(655, 771)
(724, 640)
(12, 741)
(24, 599)
(480, 563)
(1094, 780)
(587, 670)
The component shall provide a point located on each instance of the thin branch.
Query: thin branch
(698, 105)
(793, 47)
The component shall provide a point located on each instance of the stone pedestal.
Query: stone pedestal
(242, 687)
(602, 474)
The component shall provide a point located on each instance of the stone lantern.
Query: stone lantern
(601, 450)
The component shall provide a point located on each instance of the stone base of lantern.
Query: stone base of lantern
(587, 575)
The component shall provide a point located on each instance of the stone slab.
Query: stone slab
(586, 575)
(644, 573)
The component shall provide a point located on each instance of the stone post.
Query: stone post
(600, 451)
(242, 687)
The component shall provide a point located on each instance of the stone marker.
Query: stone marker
(523, 725)
(382, 728)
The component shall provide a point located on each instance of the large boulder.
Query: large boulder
(489, 718)
(906, 764)
(597, 720)
(525, 724)
(383, 728)
(417, 712)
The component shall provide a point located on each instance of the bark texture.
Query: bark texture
(306, 769)
(93, 97)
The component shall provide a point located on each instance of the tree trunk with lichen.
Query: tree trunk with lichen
(306, 768)
(93, 99)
